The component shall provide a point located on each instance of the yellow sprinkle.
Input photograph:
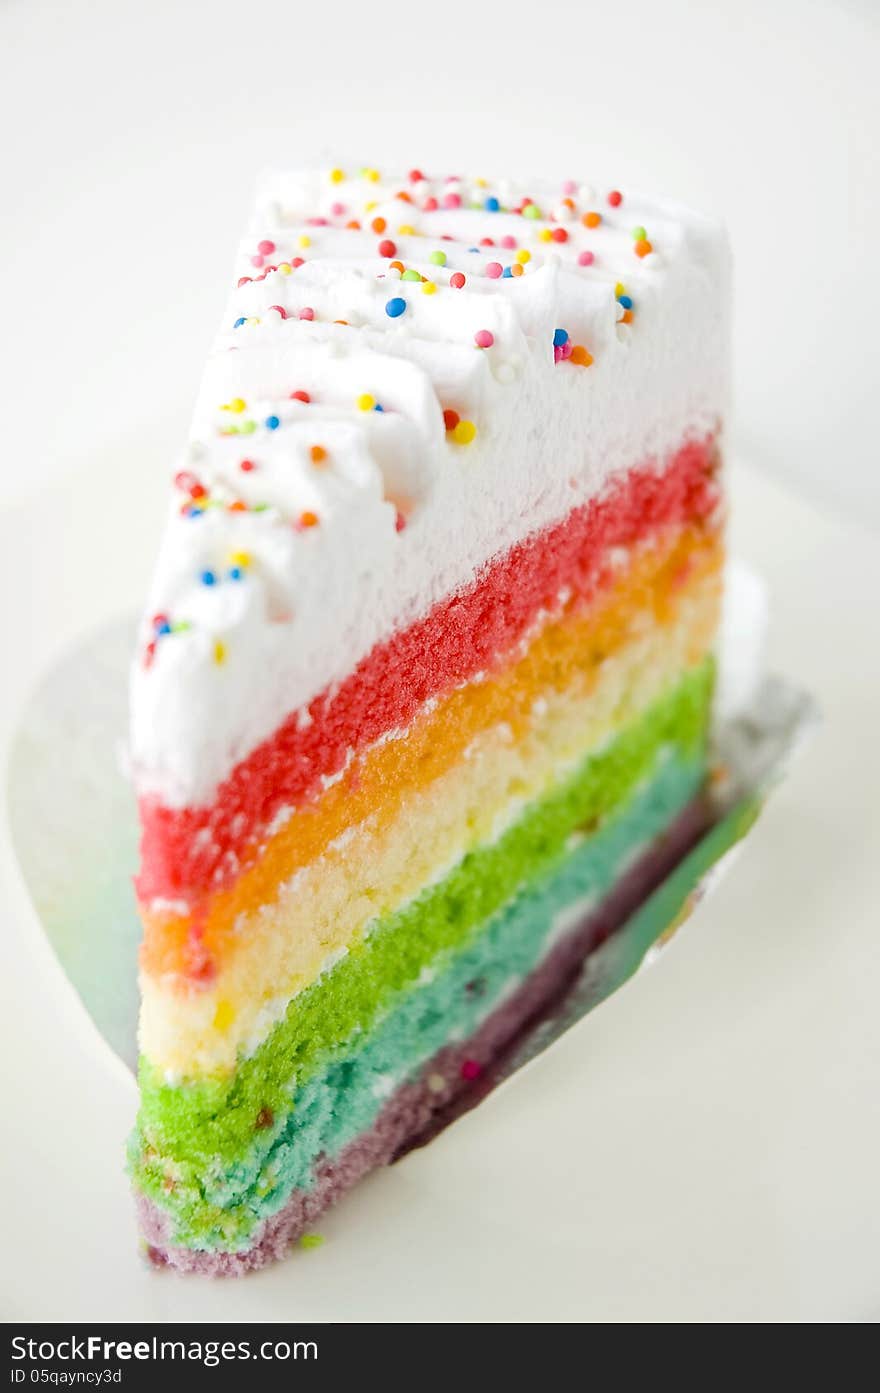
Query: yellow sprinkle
(311, 1240)
(545, 235)
(237, 404)
(365, 402)
(464, 432)
(522, 256)
(368, 207)
(337, 176)
(223, 1016)
(480, 183)
(219, 651)
(304, 241)
(406, 231)
(253, 321)
(620, 288)
(285, 268)
(372, 175)
(240, 558)
(429, 288)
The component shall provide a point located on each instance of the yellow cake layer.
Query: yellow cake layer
(377, 866)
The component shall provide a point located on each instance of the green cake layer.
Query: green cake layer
(204, 1146)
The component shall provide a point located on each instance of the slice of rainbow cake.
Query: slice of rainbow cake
(421, 702)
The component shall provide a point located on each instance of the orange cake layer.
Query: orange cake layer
(565, 653)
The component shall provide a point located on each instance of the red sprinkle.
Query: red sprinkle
(281, 310)
(615, 198)
(456, 280)
(451, 419)
(471, 1069)
(560, 234)
(399, 522)
(247, 466)
(300, 396)
(266, 247)
(387, 247)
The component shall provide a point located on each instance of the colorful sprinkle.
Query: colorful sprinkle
(643, 247)
(437, 258)
(464, 432)
(300, 396)
(365, 402)
(471, 1069)
(429, 288)
(585, 258)
(311, 1240)
(457, 280)
(247, 466)
(272, 422)
(591, 219)
(219, 652)
(266, 247)
(307, 312)
(317, 454)
(410, 275)
(494, 269)
(615, 198)
(308, 519)
(560, 336)
(208, 578)
(523, 256)
(378, 225)
(396, 307)
(387, 247)
(580, 356)
(484, 338)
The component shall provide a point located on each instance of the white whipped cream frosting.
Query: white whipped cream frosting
(279, 599)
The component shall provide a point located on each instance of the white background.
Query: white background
(706, 1146)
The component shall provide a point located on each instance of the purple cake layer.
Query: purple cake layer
(455, 1080)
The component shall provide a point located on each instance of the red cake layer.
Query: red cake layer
(184, 851)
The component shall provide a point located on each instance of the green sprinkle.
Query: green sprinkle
(639, 234)
(531, 210)
(311, 1240)
(438, 258)
(247, 428)
(410, 276)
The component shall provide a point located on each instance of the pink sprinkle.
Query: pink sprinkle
(483, 338)
(508, 242)
(266, 247)
(494, 269)
(317, 222)
(456, 280)
(569, 187)
(452, 200)
(586, 259)
(337, 209)
(244, 280)
(399, 522)
(280, 310)
(471, 1069)
(257, 260)
(566, 349)
(297, 261)
(430, 205)
(307, 313)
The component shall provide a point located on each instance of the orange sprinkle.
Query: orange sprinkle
(308, 519)
(378, 224)
(568, 203)
(580, 356)
(404, 196)
(397, 266)
(516, 269)
(238, 506)
(318, 454)
(354, 225)
(627, 317)
(643, 247)
(591, 219)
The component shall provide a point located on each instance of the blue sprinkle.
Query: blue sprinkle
(194, 512)
(239, 322)
(208, 578)
(378, 407)
(507, 272)
(163, 629)
(395, 307)
(492, 205)
(560, 336)
(473, 249)
(626, 301)
(273, 422)
(236, 573)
